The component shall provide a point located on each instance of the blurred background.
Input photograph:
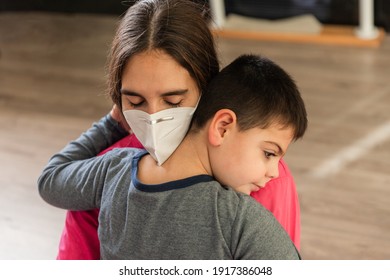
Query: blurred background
(52, 84)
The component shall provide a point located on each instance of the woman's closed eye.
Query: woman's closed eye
(174, 100)
(135, 101)
(173, 103)
(135, 105)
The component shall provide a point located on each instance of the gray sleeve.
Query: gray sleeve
(74, 178)
(256, 234)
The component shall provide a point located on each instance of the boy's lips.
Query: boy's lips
(256, 187)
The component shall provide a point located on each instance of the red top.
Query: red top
(79, 240)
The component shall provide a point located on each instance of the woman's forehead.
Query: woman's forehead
(156, 72)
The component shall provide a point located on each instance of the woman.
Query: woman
(173, 33)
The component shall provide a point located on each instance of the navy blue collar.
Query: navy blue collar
(178, 184)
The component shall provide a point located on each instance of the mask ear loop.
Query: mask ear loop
(197, 103)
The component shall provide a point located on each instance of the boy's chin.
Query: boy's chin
(247, 188)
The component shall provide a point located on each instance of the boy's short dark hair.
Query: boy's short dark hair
(258, 91)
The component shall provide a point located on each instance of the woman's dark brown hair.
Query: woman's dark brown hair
(177, 27)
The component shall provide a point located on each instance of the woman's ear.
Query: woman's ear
(220, 126)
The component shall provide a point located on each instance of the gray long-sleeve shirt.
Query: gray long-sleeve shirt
(193, 218)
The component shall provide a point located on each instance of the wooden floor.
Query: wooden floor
(51, 89)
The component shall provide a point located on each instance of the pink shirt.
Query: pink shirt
(79, 239)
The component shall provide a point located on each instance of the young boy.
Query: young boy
(195, 205)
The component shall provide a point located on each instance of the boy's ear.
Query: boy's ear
(221, 124)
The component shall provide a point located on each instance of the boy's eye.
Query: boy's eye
(269, 154)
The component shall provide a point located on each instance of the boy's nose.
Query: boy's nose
(273, 170)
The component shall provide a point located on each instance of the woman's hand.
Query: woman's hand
(117, 114)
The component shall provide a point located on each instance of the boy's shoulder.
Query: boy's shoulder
(239, 202)
(230, 204)
(120, 157)
(124, 152)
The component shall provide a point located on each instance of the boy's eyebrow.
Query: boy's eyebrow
(280, 151)
(169, 93)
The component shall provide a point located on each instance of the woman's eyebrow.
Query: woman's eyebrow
(175, 92)
(168, 93)
(130, 93)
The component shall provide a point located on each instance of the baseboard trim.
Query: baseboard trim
(330, 35)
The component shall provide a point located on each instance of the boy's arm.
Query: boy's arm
(73, 179)
(79, 239)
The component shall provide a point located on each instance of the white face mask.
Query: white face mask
(162, 132)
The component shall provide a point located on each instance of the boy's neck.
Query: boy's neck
(189, 159)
